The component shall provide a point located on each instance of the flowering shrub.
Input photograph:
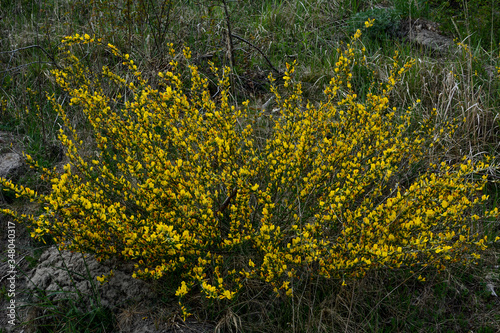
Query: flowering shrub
(182, 183)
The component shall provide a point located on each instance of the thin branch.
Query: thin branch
(31, 47)
(227, 201)
(260, 51)
(229, 35)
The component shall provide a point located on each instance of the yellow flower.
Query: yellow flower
(227, 294)
(182, 290)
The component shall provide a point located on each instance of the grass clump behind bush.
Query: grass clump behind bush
(181, 183)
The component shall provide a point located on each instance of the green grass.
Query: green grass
(309, 31)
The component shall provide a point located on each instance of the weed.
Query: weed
(386, 25)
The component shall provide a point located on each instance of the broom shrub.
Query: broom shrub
(182, 183)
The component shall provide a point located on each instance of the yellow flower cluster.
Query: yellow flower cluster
(181, 184)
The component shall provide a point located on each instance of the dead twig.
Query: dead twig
(280, 74)
(52, 59)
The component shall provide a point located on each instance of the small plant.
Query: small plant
(181, 184)
(66, 316)
(386, 24)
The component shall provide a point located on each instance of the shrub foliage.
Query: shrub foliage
(180, 182)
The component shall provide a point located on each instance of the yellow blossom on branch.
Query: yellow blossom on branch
(181, 184)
